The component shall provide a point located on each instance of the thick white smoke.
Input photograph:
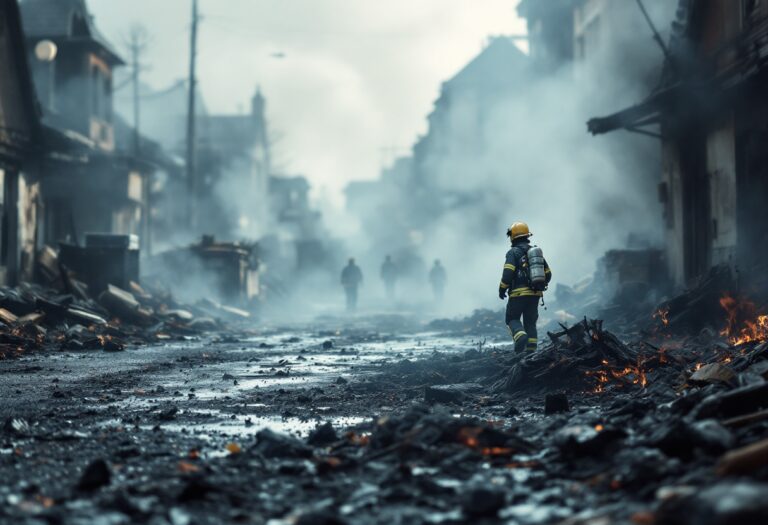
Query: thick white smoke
(534, 161)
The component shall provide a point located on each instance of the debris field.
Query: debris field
(367, 423)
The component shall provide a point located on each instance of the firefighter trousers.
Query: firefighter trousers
(524, 333)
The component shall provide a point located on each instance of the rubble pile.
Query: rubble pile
(64, 315)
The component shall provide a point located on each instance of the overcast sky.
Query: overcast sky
(358, 77)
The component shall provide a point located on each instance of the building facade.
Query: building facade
(235, 164)
(89, 182)
(20, 136)
(712, 110)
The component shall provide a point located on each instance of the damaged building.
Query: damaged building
(234, 163)
(710, 114)
(89, 182)
(20, 134)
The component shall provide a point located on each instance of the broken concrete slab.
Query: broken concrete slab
(713, 373)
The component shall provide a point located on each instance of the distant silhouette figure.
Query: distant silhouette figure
(389, 276)
(351, 278)
(437, 279)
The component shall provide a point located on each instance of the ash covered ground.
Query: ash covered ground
(389, 419)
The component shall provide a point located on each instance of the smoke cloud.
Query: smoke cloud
(523, 153)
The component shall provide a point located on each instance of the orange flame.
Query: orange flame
(604, 376)
(744, 325)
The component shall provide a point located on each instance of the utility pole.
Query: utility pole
(137, 44)
(191, 138)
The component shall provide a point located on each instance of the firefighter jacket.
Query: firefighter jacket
(514, 279)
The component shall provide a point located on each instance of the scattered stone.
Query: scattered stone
(323, 435)
(727, 503)
(482, 502)
(96, 475)
(273, 445)
(713, 373)
(556, 403)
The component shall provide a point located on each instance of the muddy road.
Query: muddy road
(383, 420)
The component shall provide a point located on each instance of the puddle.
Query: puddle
(214, 424)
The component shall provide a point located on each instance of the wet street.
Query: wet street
(383, 419)
(161, 412)
(217, 388)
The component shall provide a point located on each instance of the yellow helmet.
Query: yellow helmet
(518, 230)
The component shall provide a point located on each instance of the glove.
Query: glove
(502, 293)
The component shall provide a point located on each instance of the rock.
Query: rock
(16, 427)
(319, 517)
(204, 324)
(727, 503)
(713, 373)
(96, 475)
(735, 402)
(323, 435)
(556, 403)
(585, 440)
(327, 345)
(111, 345)
(640, 468)
(273, 445)
(168, 415)
(482, 502)
(711, 436)
(195, 490)
(443, 394)
(681, 439)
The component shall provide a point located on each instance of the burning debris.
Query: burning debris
(588, 427)
(745, 325)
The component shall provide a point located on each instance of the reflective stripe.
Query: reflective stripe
(503, 285)
(532, 340)
(509, 267)
(524, 292)
(547, 270)
(518, 335)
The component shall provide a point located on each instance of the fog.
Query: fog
(344, 80)
(533, 162)
(348, 95)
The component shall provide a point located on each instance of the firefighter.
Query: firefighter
(515, 284)
(389, 276)
(351, 278)
(437, 279)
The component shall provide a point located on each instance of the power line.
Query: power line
(191, 153)
(138, 42)
(656, 35)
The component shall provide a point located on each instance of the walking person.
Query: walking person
(438, 278)
(523, 281)
(351, 278)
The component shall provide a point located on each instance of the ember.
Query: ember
(635, 375)
(662, 314)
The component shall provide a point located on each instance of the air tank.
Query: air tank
(536, 268)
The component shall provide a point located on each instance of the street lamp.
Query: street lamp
(46, 51)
